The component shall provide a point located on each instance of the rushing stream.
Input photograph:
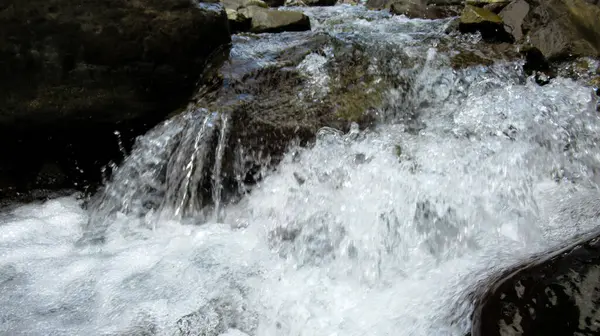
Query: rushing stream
(377, 232)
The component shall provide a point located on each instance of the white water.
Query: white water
(345, 238)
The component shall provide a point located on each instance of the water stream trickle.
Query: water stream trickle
(378, 232)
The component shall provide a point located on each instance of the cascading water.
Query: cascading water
(376, 232)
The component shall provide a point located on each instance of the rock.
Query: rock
(239, 4)
(476, 15)
(495, 8)
(482, 3)
(319, 2)
(274, 21)
(513, 16)
(424, 9)
(564, 28)
(469, 58)
(555, 294)
(275, 3)
(536, 64)
(416, 9)
(476, 19)
(73, 73)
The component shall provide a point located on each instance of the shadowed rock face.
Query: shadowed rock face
(73, 72)
(558, 294)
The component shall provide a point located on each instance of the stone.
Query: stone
(563, 29)
(475, 19)
(422, 9)
(319, 2)
(72, 73)
(476, 15)
(482, 3)
(274, 21)
(536, 64)
(415, 9)
(513, 16)
(239, 4)
(552, 294)
(275, 3)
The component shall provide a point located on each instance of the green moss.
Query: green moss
(398, 150)
(472, 14)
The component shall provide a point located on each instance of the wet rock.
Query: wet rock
(513, 16)
(553, 294)
(475, 19)
(218, 316)
(562, 29)
(486, 2)
(73, 72)
(274, 21)
(416, 9)
(423, 9)
(469, 58)
(536, 64)
(319, 2)
(275, 3)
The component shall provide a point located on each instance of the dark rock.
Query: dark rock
(475, 19)
(555, 294)
(513, 16)
(319, 2)
(275, 3)
(424, 9)
(536, 64)
(73, 72)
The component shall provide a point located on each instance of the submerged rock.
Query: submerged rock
(73, 73)
(557, 294)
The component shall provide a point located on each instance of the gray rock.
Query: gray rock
(513, 16)
(272, 21)
(564, 28)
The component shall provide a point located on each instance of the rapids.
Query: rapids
(370, 232)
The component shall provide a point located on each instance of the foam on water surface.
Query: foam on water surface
(378, 232)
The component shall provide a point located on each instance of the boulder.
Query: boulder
(490, 25)
(564, 28)
(513, 16)
(73, 72)
(264, 20)
(555, 294)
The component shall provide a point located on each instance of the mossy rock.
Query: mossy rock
(477, 15)
(465, 59)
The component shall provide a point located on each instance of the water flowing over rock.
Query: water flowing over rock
(554, 294)
(373, 175)
(73, 73)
